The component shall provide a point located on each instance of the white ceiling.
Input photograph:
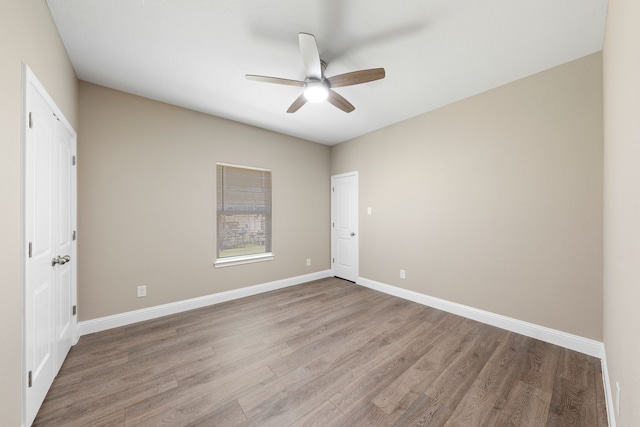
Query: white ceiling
(195, 53)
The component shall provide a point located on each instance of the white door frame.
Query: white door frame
(30, 83)
(354, 229)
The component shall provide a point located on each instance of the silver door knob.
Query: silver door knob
(352, 234)
(62, 260)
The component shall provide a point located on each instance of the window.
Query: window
(244, 215)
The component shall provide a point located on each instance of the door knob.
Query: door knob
(62, 260)
(352, 234)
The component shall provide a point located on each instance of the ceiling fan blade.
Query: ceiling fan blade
(310, 56)
(339, 101)
(299, 102)
(276, 80)
(356, 77)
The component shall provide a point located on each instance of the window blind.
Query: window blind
(243, 210)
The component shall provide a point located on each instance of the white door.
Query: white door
(50, 274)
(64, 245)
(344, 226)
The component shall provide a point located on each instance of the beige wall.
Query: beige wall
(493, 202)
(27, 35)
(147, 202)
(622, 205)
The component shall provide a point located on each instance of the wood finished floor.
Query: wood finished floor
(325, 353)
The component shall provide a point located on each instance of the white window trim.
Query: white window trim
(233, 165)
(244, 259)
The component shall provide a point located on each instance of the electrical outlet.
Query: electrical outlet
(403, 274)
(308, 262)
(142, 291)
(369, 210)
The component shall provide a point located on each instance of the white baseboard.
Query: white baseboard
(570, 341)
(130, 317)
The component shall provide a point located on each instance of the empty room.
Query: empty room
(329, 213)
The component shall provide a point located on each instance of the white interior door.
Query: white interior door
(39, 274)
(50, 273)
(344, 226)
(64, 271)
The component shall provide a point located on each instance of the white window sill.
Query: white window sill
(245, 259)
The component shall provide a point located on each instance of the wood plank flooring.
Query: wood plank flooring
(325, 353)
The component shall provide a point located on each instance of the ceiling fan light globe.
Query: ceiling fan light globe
(316, 92)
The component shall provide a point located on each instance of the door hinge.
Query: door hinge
(73, 235)
(30, 378)
(74, 310)
(73, 160)
(333, 260)
(333, 189)
(333, 224)
(30, 120)
(30, 249)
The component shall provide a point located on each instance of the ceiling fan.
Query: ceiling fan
(317, 87)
